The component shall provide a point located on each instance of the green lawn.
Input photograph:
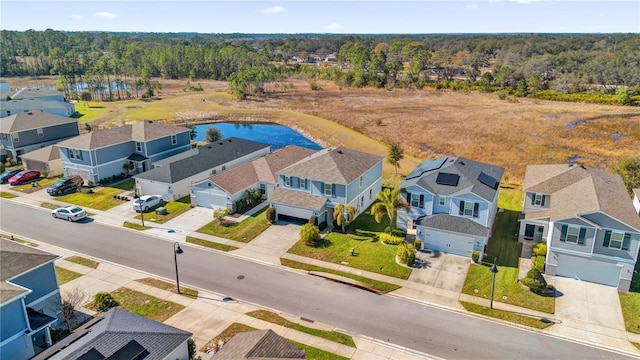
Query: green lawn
(135, 226)
(244, 231)
(506, 315)
(210, 244)
(226, 335)
(146, 305)
(184, 291)
(334, 336)
(17, 239)
(90, 111)
(83, 261)
(511, 197)
(101, 200)
(315, 353)
(64, 275)
(42, 184)
(6, 195)
(174, 208)
(630, 304)
(374, 284)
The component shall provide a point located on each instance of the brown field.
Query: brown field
(427, 122)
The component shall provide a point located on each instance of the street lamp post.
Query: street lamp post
(494, 271)
(136, 197)
(177, 250)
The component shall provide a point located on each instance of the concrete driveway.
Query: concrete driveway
(272, 243)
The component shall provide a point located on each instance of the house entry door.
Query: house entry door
(529, 230)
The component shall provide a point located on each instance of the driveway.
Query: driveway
(272, 243)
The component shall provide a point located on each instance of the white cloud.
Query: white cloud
(76, 17)
(334, 27)
(472, 6)
(273, 10)
(105, 15)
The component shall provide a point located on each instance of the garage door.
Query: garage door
(588, 270)
(447, 243)
(211, 201)
(293, 212)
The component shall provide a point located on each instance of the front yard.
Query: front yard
(244, 231)
(174, 208)
(100, 200)
(30, 187)
(630, 304)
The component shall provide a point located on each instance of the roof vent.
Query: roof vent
(29, 113)
(229, 140)
(150, 121)
(570, 165)
(582, 166)
(221, 143)
(461, 162)
(208, 146)
(339, 151)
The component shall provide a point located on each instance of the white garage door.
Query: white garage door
(447, 243)
(588, 270)
(293, 211)
(211, 201)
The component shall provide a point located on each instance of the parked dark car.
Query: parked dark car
(24, 176)
(67, 184)
(5, 176)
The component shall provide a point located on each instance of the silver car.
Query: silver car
(146, 202)
(69, 213)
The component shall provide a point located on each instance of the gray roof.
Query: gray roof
(44, 154)
(32, 120)
(299, 199)
(139, 131)
(335, 165)
(258, 345)
(119, 328)
(206, 157)
(453, 223)
(469, 172)
(26, 93)
(34, 105)
(577, 190)
(16, 259)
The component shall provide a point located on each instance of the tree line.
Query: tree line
(123, 65)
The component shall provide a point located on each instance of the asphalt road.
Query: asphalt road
(428, 329)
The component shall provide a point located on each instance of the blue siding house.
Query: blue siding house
(29, 299)
(129, 149)
(317, 183)
(453, 202)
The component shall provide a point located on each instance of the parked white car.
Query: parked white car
(69, 213)
(146, 202)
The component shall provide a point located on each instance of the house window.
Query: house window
(370, 193)
(213, 172)
(303, 184)
(442, 200)
(16, 137)
(469, 208)
(263, 188)
(572, 234)
(174, 140)
(138, 146)
(415, 200)
(538, 199)
(224, 167)
(40, 132)
(328, 191)
(361, 181)
(287, 181)
(617, 240)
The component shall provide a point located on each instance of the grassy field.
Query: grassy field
(64, 275)
(145, 305)
(210, 244)
(244, 231)
(506, 315)
(630, 304)
(83, 261)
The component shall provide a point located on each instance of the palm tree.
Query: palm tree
(344, 212)
(389, 201)
(396, 153)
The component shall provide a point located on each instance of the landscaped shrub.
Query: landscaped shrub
(539, 249)
(534, 280)
(104, 301)
(417, 244)
(540, 261)
(390, 239)
(396, 232)
(406, 254)
(475, 256)
(271, 214)
(411, 256)
(402, 254)
(322, 225)
(310, 234)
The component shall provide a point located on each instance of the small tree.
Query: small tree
(213, 134)
(534, 280)
(271, 214)
(310, 234)
(343, 214)
(219, 214)
(104, 301)
(629, 170)
(69, 301)
(88, 127)
(396, 153)
(388, 202)
(86, 97)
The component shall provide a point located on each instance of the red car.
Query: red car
(24, 176)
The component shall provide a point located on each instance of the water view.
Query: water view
(277, 136)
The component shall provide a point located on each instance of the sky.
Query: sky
(323, 16)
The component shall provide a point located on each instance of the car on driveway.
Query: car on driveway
(69, 213)
(146, 202)
(24, 176)
(66, 184)
(5, 176)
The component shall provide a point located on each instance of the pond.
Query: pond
(278, 136)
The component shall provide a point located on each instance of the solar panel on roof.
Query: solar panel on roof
(488, 180)
(426, 166)
(447, 179)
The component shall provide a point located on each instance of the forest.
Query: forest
(597, 68)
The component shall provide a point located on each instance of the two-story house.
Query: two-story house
(453, 203)
(40, 93)
(226, 188)
(173, 177)
(29, 299)
(53, 107)
(128, 149)
(25, 132)
(587, 220)
(320, 181)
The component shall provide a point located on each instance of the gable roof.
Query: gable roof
(44, 154)
(447, 176)
(139, 131)
(334, 165)
(262, 169)
(16, 259)
(576, 189)
(35, 105)
(300, 199)
(26, 93)
(259, 344)
(202, 159)
(118, 332)
(454, 224)
(31, 120)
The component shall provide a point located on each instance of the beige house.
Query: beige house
(45, 159)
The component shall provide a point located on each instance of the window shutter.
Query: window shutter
(563, 233)
(421, 204)
(333, 190)
(581, 236)
(409, 198)
(544, 197)
(607, 238)
(476, 206)
(626, 242)
(461, 208)
(533, 198)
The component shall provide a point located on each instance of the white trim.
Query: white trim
(14, 337)
(597, 226)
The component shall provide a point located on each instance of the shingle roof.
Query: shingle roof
(139, 131)
(207, 157)
(44, 154)
(453, 223)
(263, 169)
(26, 93)
(35, 105)
(117, 329)
(259, 344)
(335, 165)
(15, 259)
(34, 120)
(469, 173)
(298, 199)
(576, 190)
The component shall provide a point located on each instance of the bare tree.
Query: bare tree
(70, 300)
